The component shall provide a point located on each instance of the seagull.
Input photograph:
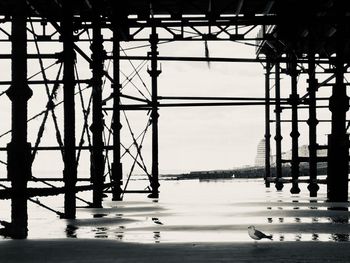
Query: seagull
(256, 234)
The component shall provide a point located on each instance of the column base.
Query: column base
(279, 186)
(313, 189)
(295, 189)
(153, 195)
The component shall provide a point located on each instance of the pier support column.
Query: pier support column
(338, 140)
(294, 100)
(97, 157)
(312, 122)
(267, 126)
(70, 164)
(19, 150)
(154, 73)
(278, 136)
(117, 170)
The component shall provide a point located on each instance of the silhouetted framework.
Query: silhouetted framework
(294, 100)
(292, 38)
(19, 167)
(117, 169)
(267, 126)
(154, 73)
(70, 165)
(312, 122)
(278, 136)
(97, 57)
(338, 140)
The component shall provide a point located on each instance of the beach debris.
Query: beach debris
(256, 234)
(156, 221)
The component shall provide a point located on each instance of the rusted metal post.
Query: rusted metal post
(312, 122)
(19, 150)
(154, 73)
(97, 157)
(338, 140)
(267, 126)
(117, 168)
(70, 164)
(294, 100)
(278, 136)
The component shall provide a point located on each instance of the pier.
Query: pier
(294, 38)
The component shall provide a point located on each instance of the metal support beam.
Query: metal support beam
(117, 169)
(312, 122)
(97, 158)
(267, 126)
(294, 99)
(154, 73)
(70, 165)
(278, 136)
(223, 59)
(338, 140)
(19, 155)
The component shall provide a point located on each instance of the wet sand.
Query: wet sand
(105, 251)
(197, 226)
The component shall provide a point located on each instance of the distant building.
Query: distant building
(260, 154)
(303, 151)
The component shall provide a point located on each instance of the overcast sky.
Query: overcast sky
(189, 138)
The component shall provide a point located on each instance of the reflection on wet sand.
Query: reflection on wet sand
(297, 237)
(99, 215)
(206, 215)
(339, 219)
(119, 235)
(315, 237)
(297, 220)
(101, 232)
(71, 231)
(337, 215)
(156, 236)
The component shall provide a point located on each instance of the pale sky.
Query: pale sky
(217, 137)
(189, 138)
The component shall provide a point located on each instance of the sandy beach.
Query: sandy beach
(196, 226)
(108, 251)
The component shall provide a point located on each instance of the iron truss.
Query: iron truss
(86, 36)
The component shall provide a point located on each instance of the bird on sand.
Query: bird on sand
(256, 234)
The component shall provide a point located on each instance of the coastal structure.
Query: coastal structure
(295, 37)
(303, 152)
(261, 154)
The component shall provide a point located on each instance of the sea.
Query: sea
(195, 211)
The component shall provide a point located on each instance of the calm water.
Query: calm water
(196, 211)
